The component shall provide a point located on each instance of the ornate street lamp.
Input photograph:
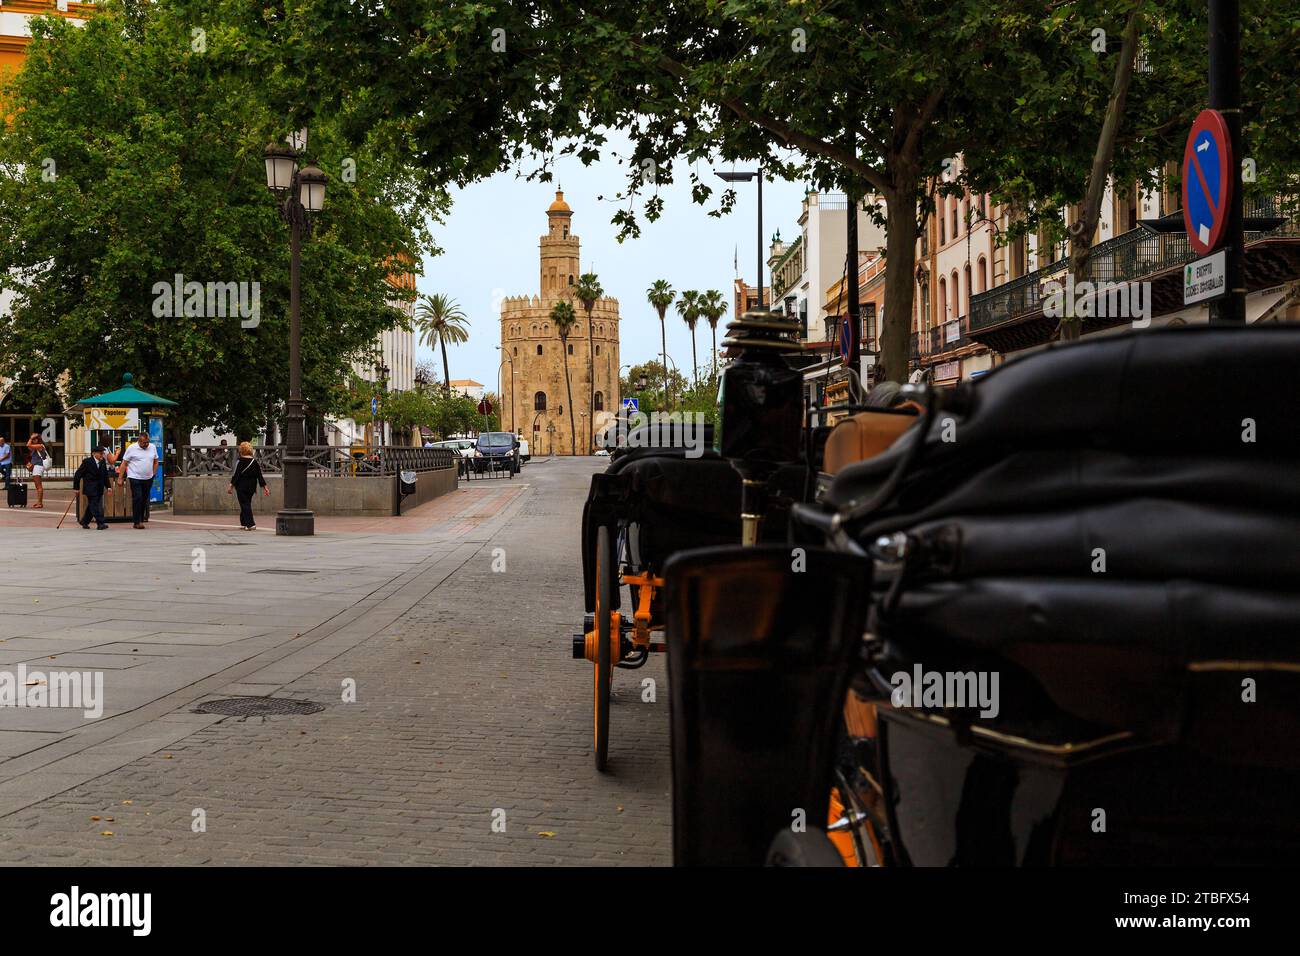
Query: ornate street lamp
(303, 192)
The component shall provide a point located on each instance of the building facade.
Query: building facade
(802, 270)
(535, 358)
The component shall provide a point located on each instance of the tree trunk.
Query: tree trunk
(695, 368)
(446, 372)
(568, 391)
(591, 382)
(1083, 229)
(663, 336)
(713, 328)
(900, 258)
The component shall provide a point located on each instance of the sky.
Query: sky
(489, 242)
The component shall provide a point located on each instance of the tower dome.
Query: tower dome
(559, 206)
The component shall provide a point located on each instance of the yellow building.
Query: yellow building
(532, 350)
(15, 29)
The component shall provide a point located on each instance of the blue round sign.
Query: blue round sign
(1207, 181)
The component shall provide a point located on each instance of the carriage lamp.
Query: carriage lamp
(760, 401)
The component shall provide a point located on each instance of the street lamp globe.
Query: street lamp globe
(642, 382)
(280, 165)
(311, 186)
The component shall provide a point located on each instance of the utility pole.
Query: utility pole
(1225, 96)
(760, 238)
(853, 360)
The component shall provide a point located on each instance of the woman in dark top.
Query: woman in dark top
(244, 482)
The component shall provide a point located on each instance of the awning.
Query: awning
(128, 396)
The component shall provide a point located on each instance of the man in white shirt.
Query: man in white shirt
(141, 463)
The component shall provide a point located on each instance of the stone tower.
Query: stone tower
(532, 349)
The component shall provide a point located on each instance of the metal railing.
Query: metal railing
(324, 460)
(1133, 255)
(944, 338)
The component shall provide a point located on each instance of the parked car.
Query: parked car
(496, 451)
(462, 446)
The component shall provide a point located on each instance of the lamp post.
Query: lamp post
(743, 176)
(383, 406)
(501, 388)
(303, 189)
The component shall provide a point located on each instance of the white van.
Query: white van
(523, 448)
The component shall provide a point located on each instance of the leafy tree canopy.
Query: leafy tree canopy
(134, 156)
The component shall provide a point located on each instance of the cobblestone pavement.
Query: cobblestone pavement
(469, 709)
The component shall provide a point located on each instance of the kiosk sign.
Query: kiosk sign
(1208, 181)
(113, 419)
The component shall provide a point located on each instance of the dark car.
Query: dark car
(496, 451)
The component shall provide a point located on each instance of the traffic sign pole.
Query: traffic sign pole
(1225, 96)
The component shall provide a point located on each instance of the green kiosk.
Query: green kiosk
(114, 420)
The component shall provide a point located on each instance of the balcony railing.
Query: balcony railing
(332, 460)
(942, 338)
(1133, 255)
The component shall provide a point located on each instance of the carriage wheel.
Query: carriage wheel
(605, 572)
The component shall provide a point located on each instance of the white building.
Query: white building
(467, 387)
(803, 269)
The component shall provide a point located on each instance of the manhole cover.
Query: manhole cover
(258, 707)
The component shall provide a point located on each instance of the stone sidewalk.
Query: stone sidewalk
(469, 710)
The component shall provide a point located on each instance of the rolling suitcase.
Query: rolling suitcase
(17, 495)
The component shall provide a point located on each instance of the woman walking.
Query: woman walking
(244, 482)
(38, 462)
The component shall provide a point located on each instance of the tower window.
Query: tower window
(539, 402)
(516, 350)
(598, 402)
(539, 350)
(566, 232)
(597, 349)
(570, 348)
(570, 278)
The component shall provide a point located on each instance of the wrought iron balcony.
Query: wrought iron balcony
(1136, 254)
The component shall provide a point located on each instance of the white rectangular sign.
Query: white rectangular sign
(1205, 278)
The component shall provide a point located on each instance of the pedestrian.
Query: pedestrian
(38, 461)
(244, 482)
(141, 463)
(6, 459)
(91, 479)
(221, 454)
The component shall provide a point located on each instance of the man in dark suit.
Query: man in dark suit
(91, 480)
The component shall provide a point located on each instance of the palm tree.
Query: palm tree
(713, 307)
(661, 295)
(587, 291)
(563, 317)
(688, 306)
(439, 319)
